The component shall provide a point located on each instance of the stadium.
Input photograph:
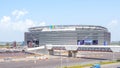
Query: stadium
(67, 35)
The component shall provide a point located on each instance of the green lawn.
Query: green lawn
(90, 65)
(3, 46)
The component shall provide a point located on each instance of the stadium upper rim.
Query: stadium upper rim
(94, 27)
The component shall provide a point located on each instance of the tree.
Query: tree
(7, 45)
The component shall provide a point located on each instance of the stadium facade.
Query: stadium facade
(68, 35)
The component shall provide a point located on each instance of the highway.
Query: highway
(47, 63)
(58, 61)
(115, 65)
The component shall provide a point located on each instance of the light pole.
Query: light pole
(119, 42)
(113, 57)
(61, 55)
(67, 62)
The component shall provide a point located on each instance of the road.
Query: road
(115, 65)
(47, 63)
(65, 61)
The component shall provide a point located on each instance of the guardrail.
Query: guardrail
(100, 48)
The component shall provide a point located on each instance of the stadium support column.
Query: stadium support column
(51, 52)
(69, 53)
(74, 53)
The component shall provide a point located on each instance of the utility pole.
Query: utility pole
(118, 42)
(61, 56)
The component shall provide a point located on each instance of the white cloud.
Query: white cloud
(5, 19)
(42, 23)
(114, 28)
(10, 23)
(23, 25)
(13, 27)
(19, 13)
(113, 24)
(5, 22)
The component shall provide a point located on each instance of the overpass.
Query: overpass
(73, 49)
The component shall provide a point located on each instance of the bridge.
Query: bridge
(73, 49)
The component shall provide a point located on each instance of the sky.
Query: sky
(16, 16)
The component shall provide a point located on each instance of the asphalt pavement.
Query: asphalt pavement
(47, 63)
(61, 61)
(114, 65)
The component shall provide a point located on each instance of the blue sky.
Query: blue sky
(18, 15)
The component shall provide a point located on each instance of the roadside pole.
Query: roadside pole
(67, 62)
(61, 56)
(113, 56)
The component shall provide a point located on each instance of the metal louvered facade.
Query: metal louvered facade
(68, 35)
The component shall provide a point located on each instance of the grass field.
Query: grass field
(90, 65)
(3, 46)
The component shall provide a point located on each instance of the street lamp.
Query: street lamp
(61, 55)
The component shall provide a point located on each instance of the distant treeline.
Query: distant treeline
(115, 43)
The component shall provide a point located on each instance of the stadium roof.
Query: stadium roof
(66, 27)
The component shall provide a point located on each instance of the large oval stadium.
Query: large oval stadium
(67, 35)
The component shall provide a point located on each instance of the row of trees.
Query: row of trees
(13, 44)
(115, 43)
